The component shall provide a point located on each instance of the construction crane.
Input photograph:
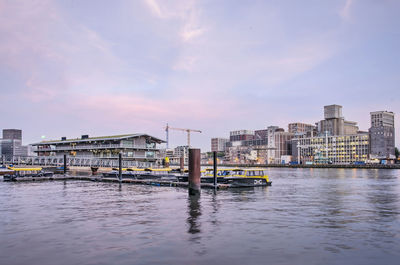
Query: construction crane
(167, 128)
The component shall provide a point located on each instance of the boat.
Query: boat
(206, 176)
(5, 171)
(251, 177)
(26, 172)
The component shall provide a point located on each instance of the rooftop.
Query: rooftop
(111, 137)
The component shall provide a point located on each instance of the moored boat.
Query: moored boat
(26, 172)
(249, 177)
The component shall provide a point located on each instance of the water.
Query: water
(308, 216)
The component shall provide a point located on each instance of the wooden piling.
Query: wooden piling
(182, 163)
(194, 172)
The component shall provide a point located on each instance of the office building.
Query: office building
(182, 151)
(331, 149)
(382, 134)
(11, 145)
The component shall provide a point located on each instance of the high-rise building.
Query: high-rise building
(382, 134)
(11, 144)
(218, 144)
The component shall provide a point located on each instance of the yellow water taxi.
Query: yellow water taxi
(257, 173)
(241, 177)
(26, 172)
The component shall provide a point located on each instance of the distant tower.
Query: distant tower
(11, 144)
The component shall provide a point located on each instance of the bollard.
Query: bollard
(65, 164)
(120, 166)
(182, 164)
(215, 169)
(94, 170)
(194, 172)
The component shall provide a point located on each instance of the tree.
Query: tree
(396, 152)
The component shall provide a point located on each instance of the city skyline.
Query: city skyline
(132, 67)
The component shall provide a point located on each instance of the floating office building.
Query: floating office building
(139, 147)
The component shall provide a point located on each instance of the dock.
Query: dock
(151, 182)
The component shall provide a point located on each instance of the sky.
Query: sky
(97, 67)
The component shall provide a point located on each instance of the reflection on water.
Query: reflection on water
(308, 216)
(194, 212)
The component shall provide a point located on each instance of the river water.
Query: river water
(307, 216)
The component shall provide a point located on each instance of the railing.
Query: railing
(77, 161)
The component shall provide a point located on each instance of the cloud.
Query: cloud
(53, 55)
(154, 7)
(213, 67)
(345, 11)
(186, 12)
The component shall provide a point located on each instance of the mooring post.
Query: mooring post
(182, 164)
(194, 172)
(120, 166)
(215, 169)
(65, 164)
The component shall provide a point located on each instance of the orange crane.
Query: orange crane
(167, 128)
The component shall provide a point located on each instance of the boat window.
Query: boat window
(238, 172)
(250, 173)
